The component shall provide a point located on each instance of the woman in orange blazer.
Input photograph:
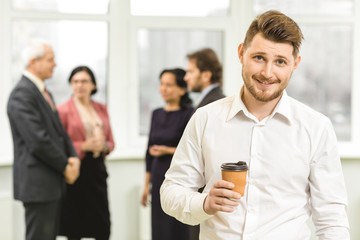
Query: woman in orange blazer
(85, 211)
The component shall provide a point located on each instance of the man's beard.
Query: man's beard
(197, 87)
(263, 96)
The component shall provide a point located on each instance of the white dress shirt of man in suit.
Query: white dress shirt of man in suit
(204, 75)
(44, 157)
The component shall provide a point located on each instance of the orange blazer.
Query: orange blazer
(73, 125)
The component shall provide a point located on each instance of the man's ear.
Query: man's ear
(206, 76)
(297, 61)
(31, 61)
(241, 52)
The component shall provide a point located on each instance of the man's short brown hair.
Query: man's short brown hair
(277, 27)
(207, 60)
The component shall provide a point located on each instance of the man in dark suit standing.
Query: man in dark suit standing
(204, 75)
(44, 157)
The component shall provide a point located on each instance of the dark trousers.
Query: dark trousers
(194, 232)
(42, 220)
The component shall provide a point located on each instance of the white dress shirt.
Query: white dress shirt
(37, 81)
(294, 173)
(40, 84)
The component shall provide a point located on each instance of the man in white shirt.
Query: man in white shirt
(291, 151)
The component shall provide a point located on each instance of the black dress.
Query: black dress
(85, 211)
(166, 129)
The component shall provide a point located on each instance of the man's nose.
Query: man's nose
(267, 70)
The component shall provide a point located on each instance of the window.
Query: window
(307, 7)
(74, 42)
(323, 79)
(78, 32)
(326, 77)
(161, 38)
(160, 49)
(64, 6)
(198, 8)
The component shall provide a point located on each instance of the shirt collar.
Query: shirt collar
(282, 108)
(237, 105)
(37, 81)
(205, 92)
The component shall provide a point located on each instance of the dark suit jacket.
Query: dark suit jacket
(41, 146)
(213, 95)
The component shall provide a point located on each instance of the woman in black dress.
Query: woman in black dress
(167, 126)
(85, 210)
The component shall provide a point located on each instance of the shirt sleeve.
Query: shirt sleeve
(327, 189)
(179, 193)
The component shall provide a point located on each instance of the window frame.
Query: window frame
(347, 149)
(138, 143)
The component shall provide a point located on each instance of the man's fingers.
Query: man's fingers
(225, 201)
(224, 208)
(223, 204)
(224, 184)
(225, 193)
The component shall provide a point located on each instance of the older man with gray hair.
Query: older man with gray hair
(44, 157)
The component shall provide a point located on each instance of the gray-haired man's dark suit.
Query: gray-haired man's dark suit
(41, 151)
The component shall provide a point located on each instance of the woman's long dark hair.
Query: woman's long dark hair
(179, 74)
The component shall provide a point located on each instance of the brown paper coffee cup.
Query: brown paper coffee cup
(235, 173)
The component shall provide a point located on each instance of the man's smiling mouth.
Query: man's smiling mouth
(264, 83)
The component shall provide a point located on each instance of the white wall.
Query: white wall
(351, 169)
(129, 220)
